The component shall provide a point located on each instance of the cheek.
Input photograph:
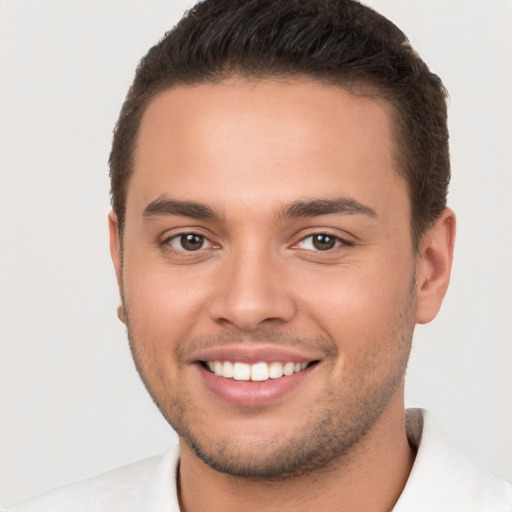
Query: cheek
(357, 305)
(348, 297)
(162, 302)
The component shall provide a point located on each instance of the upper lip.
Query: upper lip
(252, 354)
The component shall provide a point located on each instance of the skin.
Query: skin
(244, 152)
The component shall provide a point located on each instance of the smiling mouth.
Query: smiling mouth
(257, 372)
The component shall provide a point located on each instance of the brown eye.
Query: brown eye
(188, 242)
(323, 242)
(191, 242)
(320, 242)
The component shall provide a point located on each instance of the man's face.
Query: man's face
(268, 232)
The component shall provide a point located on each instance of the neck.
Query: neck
(371, 477)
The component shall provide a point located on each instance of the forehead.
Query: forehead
(248, 142)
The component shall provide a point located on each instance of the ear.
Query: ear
(117, 259)
(434, 266)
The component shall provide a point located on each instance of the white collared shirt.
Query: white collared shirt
(442, 480)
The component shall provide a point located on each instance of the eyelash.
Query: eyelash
(338, 241)
(168, 242)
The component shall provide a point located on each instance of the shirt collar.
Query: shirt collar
(442, 478)
(163, 493)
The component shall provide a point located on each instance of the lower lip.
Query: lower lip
(251, 393)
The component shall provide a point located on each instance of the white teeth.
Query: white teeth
(227, 369)
(275, 370)
(288, 368)
(241, 371)
(257, 372)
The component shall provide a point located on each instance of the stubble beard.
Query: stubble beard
(337, 426)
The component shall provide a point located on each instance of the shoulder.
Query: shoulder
(123, 489)
(444, 478)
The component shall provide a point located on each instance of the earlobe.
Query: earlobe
(115, 246)
(121, 313)
(115, 253)
(434, 266)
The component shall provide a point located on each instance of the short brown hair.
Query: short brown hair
(341, 42)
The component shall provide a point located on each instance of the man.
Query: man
(279, 176)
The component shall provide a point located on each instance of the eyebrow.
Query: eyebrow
(165, 206)
(313, 208)
(317, 207)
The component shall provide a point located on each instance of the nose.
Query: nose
(252, 292)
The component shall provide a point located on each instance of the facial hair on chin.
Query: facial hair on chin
(337, 425)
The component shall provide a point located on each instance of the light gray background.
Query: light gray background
(71, 404)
